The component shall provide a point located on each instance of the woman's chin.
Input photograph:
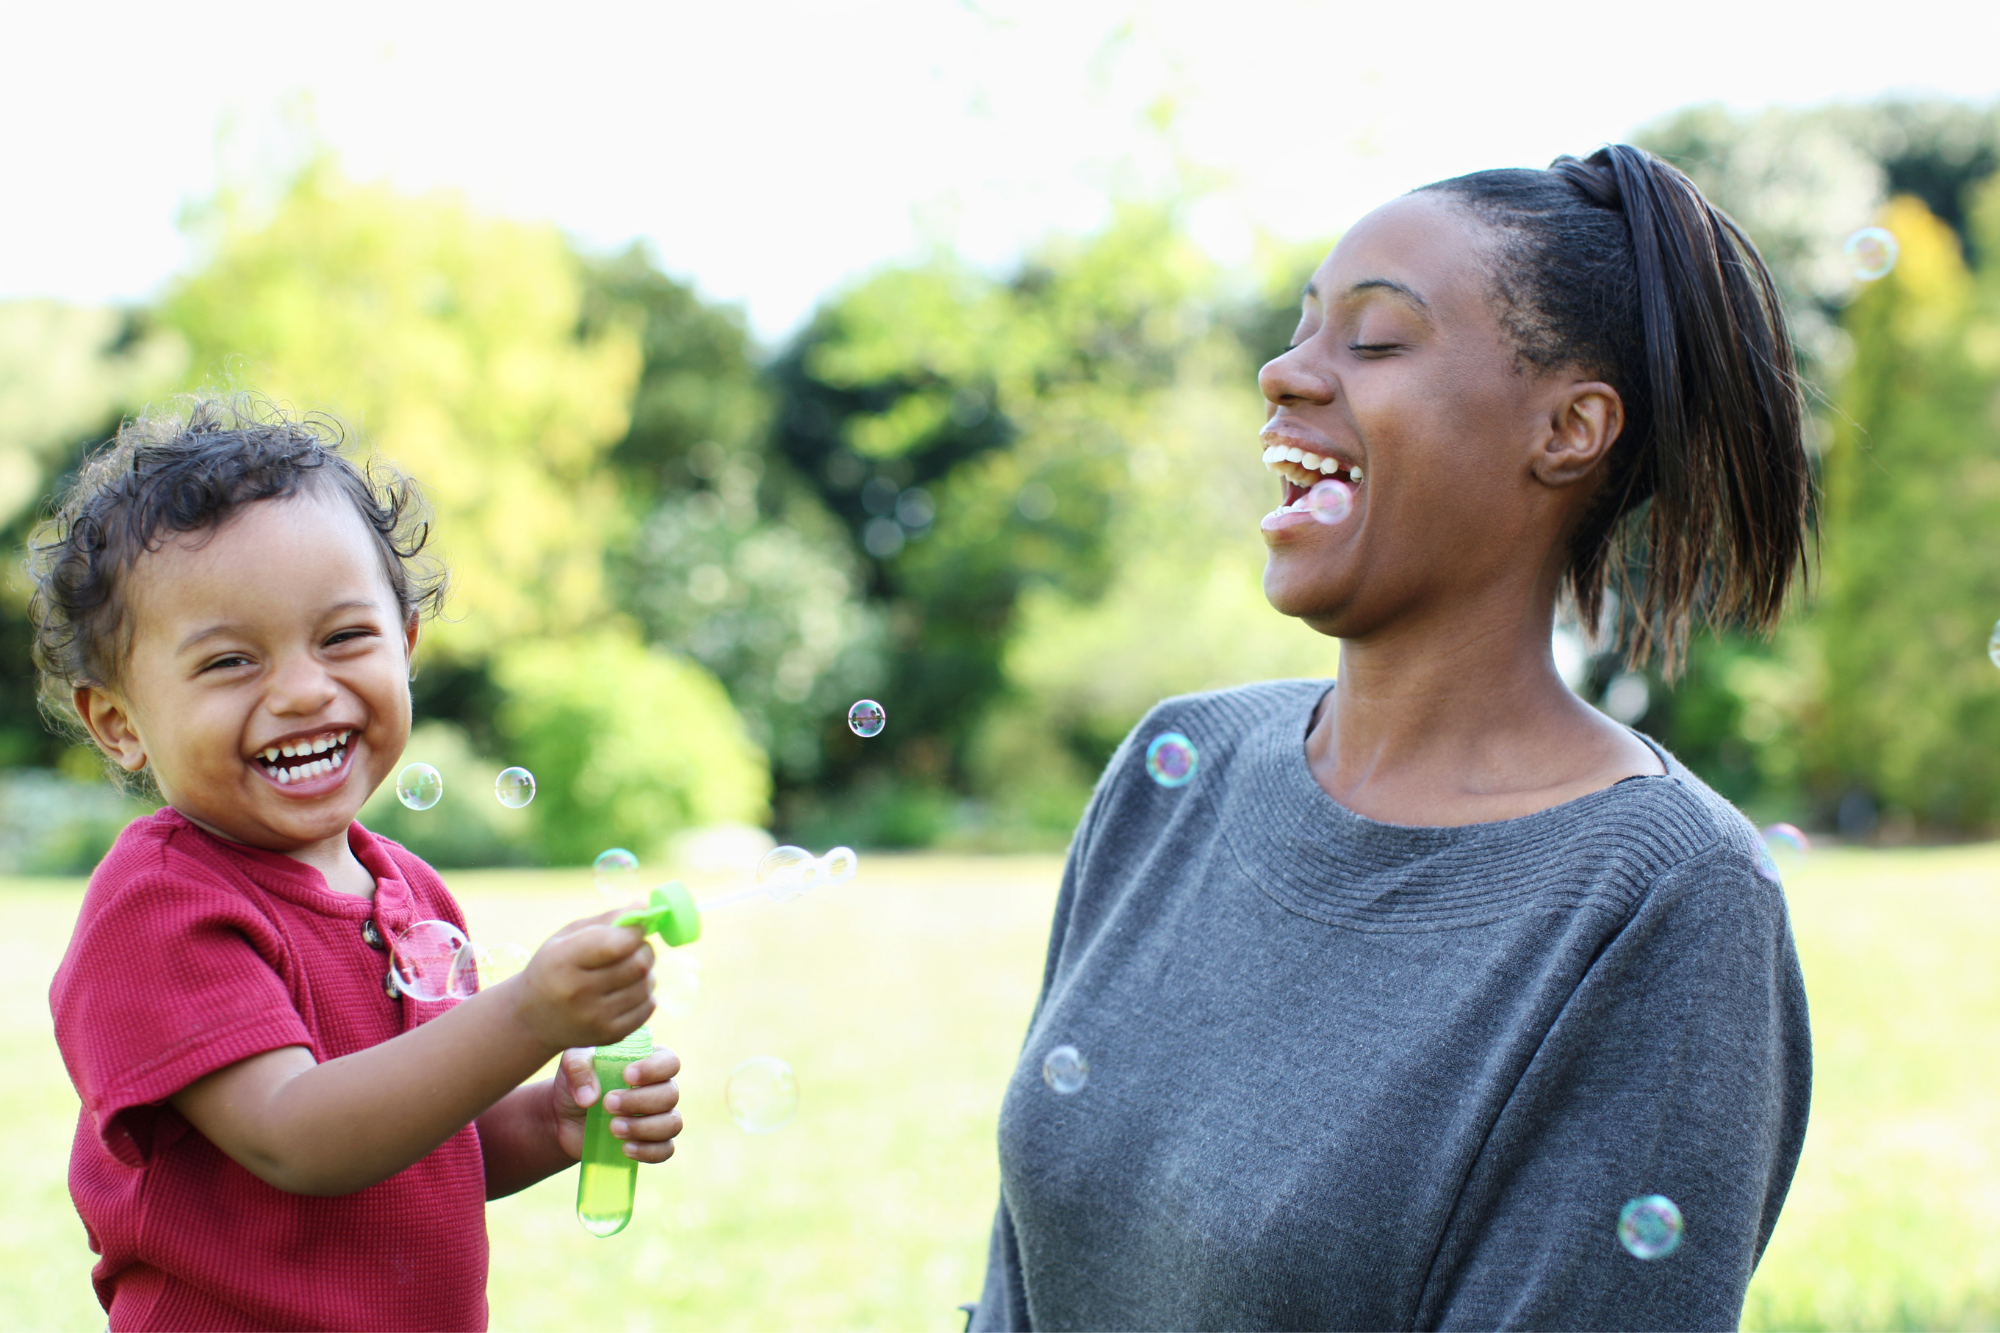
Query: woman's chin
(1304, 593)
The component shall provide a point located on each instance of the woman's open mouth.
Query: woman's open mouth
(1299, 470)
(299, 762)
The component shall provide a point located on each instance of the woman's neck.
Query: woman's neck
(1464, 721)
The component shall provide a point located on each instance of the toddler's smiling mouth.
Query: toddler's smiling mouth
(305, 758)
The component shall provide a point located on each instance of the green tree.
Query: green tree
(468, 350)
(1910, 709)
(731, 561)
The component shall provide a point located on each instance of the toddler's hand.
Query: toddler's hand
(589, 984)
(642, 1113)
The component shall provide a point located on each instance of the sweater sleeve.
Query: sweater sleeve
(1680, 1066)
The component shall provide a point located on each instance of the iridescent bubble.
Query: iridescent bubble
(1065, 1070)
(515, 787)
(762, 1094)
(419, 786)
(421, 958)
(1171, 759)
(1787, 838)
(838, 866)
(1993, 646)
(787, 872)
(1780, 844)
(1330, 501)
(617, 874)
(1871, 253)
(477, 968)
(1650, 1227)
(867, 718)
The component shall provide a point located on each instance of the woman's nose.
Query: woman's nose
(1291, 377)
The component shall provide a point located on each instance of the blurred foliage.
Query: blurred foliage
(1873, 709)
(1909, 707)
(628, 744)
(67, 373)
(1017, 507)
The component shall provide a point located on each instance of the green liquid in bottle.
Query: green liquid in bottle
(605, 1185)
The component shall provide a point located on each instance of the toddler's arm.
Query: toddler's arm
(339, 1127)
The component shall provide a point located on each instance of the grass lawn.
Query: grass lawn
(900, 1000)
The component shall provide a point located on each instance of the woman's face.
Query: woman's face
(1400, 367)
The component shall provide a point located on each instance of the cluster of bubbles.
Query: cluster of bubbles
(1650, 1227)
(419, 786)
(762, 1094)
(1871, 253)
(1065, 1070)
(433, 960)
(1780, 844)
(1993, 646)
(787, 872)
(1171, 759)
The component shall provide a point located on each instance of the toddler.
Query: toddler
(271, 1137)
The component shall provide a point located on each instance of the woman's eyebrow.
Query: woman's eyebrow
(1423, 307)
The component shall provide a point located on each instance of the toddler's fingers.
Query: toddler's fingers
(648, 1138)
(658, 1067)
(581, 1073)
(652, 1099)
(600, 944)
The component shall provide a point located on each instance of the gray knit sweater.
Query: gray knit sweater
(1352, 1075)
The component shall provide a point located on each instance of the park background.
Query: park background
(909, 352)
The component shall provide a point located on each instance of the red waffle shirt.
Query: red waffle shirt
(192, 953)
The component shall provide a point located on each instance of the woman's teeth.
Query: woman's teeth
(308, 753)
(1304, 467)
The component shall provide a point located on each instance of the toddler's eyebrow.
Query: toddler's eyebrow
(211, 632)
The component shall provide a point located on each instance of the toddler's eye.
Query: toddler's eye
(223, 663)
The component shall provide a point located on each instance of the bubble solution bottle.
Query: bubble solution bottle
(605, 1185)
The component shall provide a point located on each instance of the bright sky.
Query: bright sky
(772, 151)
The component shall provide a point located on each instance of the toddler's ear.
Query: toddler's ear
(110, 727)
(412, 627)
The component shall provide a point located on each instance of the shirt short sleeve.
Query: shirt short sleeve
(170, 976)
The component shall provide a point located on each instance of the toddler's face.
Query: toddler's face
(268, 679)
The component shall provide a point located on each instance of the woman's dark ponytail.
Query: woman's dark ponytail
(1617, 265)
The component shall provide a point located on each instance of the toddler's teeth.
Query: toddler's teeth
(1354, 473)
(271, 755)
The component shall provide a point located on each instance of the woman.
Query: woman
(1392, 1007)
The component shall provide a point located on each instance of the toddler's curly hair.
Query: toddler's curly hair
(186, 468)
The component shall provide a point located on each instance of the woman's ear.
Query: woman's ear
(110, 726)
(1586, 421)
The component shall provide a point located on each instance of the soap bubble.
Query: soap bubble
(762, 1094)
(515, 787)
(676, 981)
(838, 866)
(1993, 646)
(1650, 1228)
(421, 958)
(617, 874)
(1171, 759)
(1871, 253)
(787, 872)
(867, 718)
(1065, 1070)
(1330, 501)
(476, 968)
(419, 786)
(1778, 844)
